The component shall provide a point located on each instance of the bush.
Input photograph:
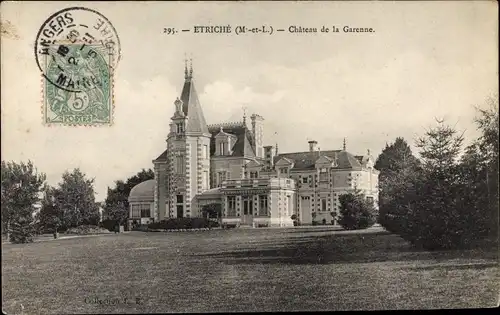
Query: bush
(355, 212)
(109, 224)
(86, 230)
(23, 230)
(183, 223)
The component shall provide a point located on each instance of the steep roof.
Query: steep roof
(243, 145)
(307, 160)
(192, 108)
(162, 157)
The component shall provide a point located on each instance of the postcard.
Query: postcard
(170, 157)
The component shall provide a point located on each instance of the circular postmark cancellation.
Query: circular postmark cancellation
(67, 44)
(77, 50)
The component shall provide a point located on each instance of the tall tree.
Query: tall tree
(436, 219)
(76, 199)
(399, 169)
(21, 187)
(479, 175)
(116, 204)
(51, 216)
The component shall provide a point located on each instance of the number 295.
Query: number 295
(169, 30)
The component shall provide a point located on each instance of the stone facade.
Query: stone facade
(255, 185)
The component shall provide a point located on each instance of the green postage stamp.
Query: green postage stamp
(79, 89)
(77, 50)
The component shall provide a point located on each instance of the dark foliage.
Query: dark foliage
(183, 223)
(116, 203)
(21, 185)
(447, 201)
(356, 212)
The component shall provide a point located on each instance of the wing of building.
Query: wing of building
(226, 164)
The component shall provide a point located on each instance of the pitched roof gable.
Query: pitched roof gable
(162, 157)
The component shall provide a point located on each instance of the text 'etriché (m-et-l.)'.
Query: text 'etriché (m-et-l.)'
(267, 29)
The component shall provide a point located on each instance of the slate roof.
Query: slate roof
(192, 108)
(243, 145)
(307, 160)
(162, 157)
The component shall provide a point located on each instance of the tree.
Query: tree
(75, 198)
(355, 211)
(479, 176)
(436, 217)
(51, 216)
(399, 171)
(116, 203)
(21, 186)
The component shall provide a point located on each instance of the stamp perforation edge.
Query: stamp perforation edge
(111, 118)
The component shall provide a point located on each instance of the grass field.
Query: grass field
(242, 270)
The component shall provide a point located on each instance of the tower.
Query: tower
(188, 146)
(258, 134)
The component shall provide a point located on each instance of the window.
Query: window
(323, 204)
(370, 200)
(263, 205)
(221, 176)
(231, 206)
(222, 148)
(323, 174)
(254, 174)
(284, 171)
(136, 211)
(304, 180)
(179, 164)
(145, 211)
(247, 205)
(205, 180)
(180, 128)
(180, 198)
(205, 151)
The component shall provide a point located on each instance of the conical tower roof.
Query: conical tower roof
(191, 106)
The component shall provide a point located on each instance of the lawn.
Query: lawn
(242, 270)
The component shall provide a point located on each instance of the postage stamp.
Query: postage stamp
(77, 50)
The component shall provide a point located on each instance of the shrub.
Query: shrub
(355, 212)
(86, 230)
(108, 224)
(23, 230)
(183, 223)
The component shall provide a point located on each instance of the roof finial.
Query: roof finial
(343, 147)
(191, 67)
(368, 151)
(244, 115)
(185, 67)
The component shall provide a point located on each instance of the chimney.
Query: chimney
(312, 145)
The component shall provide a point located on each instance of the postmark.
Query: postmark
(77, 51)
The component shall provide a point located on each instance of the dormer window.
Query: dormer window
(284, 171)
(323, 174)
(254, 174)
(180, 128)
(222, 148)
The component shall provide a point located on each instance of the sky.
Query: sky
(425, 60)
